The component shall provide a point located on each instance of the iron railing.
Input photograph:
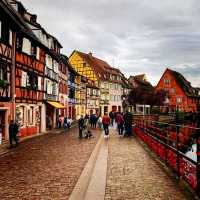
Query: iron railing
(176, 145)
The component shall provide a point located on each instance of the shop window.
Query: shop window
(30, 115)
(20, 115)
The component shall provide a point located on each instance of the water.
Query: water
(192, 154)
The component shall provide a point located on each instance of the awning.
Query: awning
(56, 104)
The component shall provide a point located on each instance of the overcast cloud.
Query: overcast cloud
(137, 36)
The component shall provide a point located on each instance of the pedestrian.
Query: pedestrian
(86, 127)
(99, 122)
(13, 131)
(80, 125)
(128, 121)
(69, 122)
(106, 123)
(59, 122)
(120, 123)
(111, 115)
(65, 124)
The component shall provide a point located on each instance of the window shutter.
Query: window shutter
(23, 79)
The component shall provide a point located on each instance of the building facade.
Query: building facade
(10, 24)
(181, 95)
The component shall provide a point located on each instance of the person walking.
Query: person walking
(106, 123)
(13, 130)
(81, 125)
(99, 122)
(111, 115)
(120, 123)
(128, 120)
(65, 123)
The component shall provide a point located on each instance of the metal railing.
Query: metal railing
(176, 145)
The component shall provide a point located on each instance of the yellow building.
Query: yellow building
(95, 70)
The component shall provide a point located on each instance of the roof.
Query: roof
(140, 77)
(99, 66)
(183, 83)
(139, 80)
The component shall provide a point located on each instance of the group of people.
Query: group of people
(123, 120)
(63, 122)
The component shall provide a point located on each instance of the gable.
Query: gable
(82, 67)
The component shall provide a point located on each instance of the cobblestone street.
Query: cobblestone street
(48, 167)
(45, 167)
(133, 174)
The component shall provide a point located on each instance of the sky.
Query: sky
(136, 36)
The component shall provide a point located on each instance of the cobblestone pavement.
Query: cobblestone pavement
(133, 174)
(46, 167)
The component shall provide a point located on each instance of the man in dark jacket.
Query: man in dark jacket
(80, 125)
(128, 120)
(13, 130)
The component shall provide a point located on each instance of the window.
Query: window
(38, 53)
(20, 115)
(178, 99)
(33, 50)
(173, 90)
(30, 115)
(39, 83)
(166, 81)
(10, 37)
(26, 46)
(23, 79)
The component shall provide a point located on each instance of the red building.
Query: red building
(181, 95)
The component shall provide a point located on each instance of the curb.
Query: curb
(82, 184)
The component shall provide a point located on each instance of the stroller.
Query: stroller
(86, 133)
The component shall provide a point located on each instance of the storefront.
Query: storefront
(52, 113)
(4, 123)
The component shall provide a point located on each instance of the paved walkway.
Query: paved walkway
(60, 166)
(131, 174)
(45, 167)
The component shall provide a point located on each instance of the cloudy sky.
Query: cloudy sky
(137, 36)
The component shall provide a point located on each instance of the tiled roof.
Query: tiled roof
(183, 83)
(100, 67)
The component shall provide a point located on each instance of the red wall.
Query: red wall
(187, 103)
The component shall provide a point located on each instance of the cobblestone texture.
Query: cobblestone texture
(133, 174)
(46, 167)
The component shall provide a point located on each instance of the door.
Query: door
(2, 123)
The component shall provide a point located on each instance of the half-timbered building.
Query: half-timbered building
(10, 24)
